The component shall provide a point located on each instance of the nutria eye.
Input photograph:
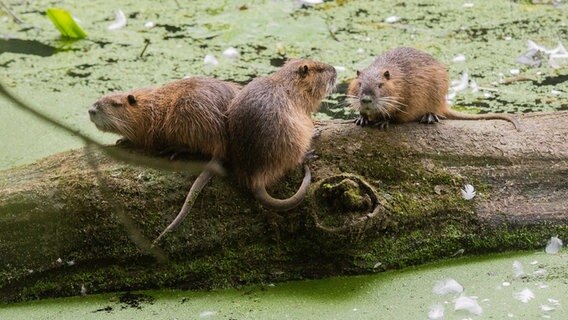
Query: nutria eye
(380, 85)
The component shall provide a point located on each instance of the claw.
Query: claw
(382, 125)
(310, 155)
(123, 142)
(430, 118)
(317, 133)
(362, 121)
(174, 152)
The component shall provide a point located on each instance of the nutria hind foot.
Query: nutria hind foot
(310, 155)
(174, 152)
(430, 118)
(124, 142)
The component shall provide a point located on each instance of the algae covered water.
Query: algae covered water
(531, 285)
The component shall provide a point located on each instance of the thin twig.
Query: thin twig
(147, 42)
(11, 13)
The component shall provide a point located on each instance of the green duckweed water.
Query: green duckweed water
(404, 294)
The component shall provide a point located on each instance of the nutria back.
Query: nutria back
(269, 121)
(187, 113)
(402, 85)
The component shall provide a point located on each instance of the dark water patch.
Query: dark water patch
(277, 62)
(259, 48)
(102, 44)
(134, 15)
(107, 309)
(75, 74)
(551, 81)
(170, 28)
(7, 63)
(32, 47)
(132, 300)
(361, 12)
(85, 66)
(178, 36)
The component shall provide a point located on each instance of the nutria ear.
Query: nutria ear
(387, 75)
(131, 100)
(358, 73)
(303, 71)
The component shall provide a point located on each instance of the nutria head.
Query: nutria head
(310, 80)
(117, 112)
(377, 93)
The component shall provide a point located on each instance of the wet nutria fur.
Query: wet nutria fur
(405, 85)
(270, 127)
(187, 114)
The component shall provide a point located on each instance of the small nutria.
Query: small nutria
(187, 114)
(270, 127)
(405, 85)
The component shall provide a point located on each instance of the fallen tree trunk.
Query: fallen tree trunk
(379, 200)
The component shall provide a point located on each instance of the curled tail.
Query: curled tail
(285, 204)
(196, 188)
(452, 114)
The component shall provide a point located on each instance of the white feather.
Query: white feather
(392, 19)
(207, 314)
(459, 58)
(524, 295)
(518, 269)
(436, 312)
(553, 246)
(468, 192)
(210, 60)
(231, 53)
(447, 286)
(468, 304)
(119, 21)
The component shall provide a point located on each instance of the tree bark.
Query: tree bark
(379, 200)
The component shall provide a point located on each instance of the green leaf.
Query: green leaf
(65, 23)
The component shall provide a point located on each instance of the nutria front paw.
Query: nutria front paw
(362, 121)
(382, 125)
(430, 118)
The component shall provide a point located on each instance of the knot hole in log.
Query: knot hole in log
(345, 204)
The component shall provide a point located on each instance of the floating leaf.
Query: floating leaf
(65, 23)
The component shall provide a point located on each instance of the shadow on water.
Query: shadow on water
(32, 47)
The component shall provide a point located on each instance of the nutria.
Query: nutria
(186, 114)
(270, 127)
(405, 85)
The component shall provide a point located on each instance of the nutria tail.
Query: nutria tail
(196, 188)
(452, 114)
(285, 204)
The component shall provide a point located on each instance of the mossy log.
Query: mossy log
(379, 200)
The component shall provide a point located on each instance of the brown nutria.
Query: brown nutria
(270, 127)
(405, 85)
(187, 114)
